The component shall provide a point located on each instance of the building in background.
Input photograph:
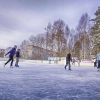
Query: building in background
(2, 52)
(36, 53)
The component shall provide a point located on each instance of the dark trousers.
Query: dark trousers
(10, 59)
(17, 60)
(68, 64)
(95, 64)
(98, 63)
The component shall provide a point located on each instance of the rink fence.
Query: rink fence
(62, 62)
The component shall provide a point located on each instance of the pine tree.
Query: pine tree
(95, 32)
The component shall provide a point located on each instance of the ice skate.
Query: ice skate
(15, 65)
(4, 65)
(65, 67)
(11, 66)
(98, 69)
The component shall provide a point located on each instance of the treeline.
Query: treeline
(60, 39)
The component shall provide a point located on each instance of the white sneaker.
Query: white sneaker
(11, 66)
(4, 64)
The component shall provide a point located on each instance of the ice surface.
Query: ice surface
(49, 82)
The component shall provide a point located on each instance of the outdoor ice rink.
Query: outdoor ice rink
(36, 81)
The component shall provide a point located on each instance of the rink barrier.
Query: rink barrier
(62, 62)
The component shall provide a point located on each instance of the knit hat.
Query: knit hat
(15, 46)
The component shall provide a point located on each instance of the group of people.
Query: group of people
(75, 60)
(97, 62)
(69, 59)
(11, 53)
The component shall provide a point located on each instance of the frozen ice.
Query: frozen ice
(33, 81)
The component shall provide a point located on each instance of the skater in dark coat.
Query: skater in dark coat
(11, 55)
(98, 60)
(17, 57)
(95, 63)
(68, 59)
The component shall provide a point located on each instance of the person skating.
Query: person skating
(17, 57)
(78, 61)
(95, 63)
(98, 60)
(68, 59)
(73, 61)
(11, 55)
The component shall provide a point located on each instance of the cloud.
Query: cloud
(19, 19)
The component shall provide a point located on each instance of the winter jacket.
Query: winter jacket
(68, 58)
(17, 54)
(12, 52)
(98, 57)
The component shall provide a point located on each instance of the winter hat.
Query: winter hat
(15, 46)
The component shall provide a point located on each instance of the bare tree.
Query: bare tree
(23, 48)
(83, 32)
(58, 28)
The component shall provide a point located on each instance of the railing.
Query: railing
(62, 62)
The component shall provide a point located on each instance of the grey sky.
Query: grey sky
(19, 19)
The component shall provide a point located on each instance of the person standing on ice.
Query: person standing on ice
(17, 57)
(98, 60)
(68, 59)
(73, 61)
(11, 55)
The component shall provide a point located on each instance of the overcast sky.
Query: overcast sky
(19, 19)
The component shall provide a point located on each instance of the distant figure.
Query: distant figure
(17, 57)
(73, 61)
(95, 63)
(68, 59)
(98, 60)
(11, 55)
(78, 61)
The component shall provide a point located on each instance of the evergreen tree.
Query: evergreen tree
(95, 33)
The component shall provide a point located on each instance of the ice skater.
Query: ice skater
(98, 60)
(78, 61)
(73, 61)
(11, 55)
(17, 57)
(95, 62)
(68, 59)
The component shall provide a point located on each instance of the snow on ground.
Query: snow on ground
(49, 82)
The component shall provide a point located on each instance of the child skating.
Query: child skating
(17, 57)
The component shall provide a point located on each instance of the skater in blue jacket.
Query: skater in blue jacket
(11, 55)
